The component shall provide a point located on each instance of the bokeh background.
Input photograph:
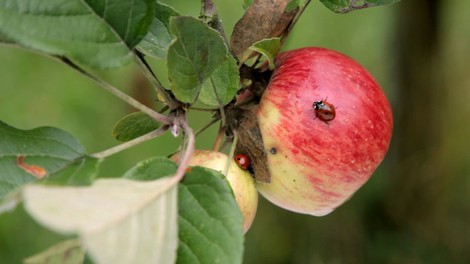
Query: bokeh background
(414, 209)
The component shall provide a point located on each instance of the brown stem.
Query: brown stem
(210, 16)
(218, 139)
(188, 151)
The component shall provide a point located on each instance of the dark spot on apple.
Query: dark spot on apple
(273, 150)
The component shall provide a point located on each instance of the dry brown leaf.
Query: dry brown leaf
(250, 141)
(263, 19)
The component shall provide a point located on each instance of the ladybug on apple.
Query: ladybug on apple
(316, 167)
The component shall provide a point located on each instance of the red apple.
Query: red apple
(240, 180)
(317, 162)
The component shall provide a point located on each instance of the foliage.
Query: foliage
(157, 211)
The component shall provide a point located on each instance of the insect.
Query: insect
(324, 111)
(242, 160)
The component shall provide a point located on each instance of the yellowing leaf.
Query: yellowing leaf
(117, 220)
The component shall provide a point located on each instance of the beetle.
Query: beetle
(242, 160)
(324, 110)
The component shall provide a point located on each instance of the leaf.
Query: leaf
(97, 33)
(263, 19)
(158, 39)
(151, 169)
(55, 151)
(269, 48)
(81, 171)
(134, 125)
(345, 6)
(222, 86)
(210, 222)
(247, 3)
(66, 252)
(195, 53)
(117, 220)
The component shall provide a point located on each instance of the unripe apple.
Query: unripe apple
(241, 181)
(317, 162)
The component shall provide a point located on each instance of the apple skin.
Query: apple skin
(316, 166)
(241, 181)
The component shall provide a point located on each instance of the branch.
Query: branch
(213, 121)
(211, 18)
(124, 97)
(111, 151)
(188, 152)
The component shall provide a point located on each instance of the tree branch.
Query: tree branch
(111, 151)
(210, 17)
(188, 151)
(116, 92)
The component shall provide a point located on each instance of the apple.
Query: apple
(316, 158)
(240, 180)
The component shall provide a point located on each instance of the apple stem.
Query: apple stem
(231, 153)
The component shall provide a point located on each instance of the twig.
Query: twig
(150, 75)
(111, 151)
(201, 109)
(188, 152)
(213, 121)
(210, 16)
(126, 98)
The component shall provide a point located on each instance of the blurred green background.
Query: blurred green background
(414, 209)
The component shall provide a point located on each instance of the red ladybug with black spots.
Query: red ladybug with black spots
(324, 111)
(242, 160)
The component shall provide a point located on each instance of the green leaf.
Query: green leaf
(66, 252)
(151, 169)
(210, 223)
(117, 220)
(345, 6)
(247, 3)
(293, 5)
(134, 125)
(222, 86)
(81, 171)
(192, 57)
(158, 39)
(269, 48)
(51, 149)
(97, 33)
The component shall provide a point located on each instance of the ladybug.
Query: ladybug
(324, 111)
(242, 160)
